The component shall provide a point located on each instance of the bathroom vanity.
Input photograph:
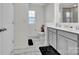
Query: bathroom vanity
(65, 41)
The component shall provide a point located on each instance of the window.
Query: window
(68, 14)
(31, 16)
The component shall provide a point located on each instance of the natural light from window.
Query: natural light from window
(31, 16)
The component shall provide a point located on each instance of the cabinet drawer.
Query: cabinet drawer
(51, 29)
(68, 35)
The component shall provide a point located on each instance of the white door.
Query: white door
(0, 28)
(6, 36)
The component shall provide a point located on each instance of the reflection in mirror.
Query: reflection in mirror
(69, 12)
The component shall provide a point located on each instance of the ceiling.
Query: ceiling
(68, 5)
(64, 5)
(41, 4)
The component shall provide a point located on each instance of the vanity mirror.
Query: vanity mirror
(69, 12)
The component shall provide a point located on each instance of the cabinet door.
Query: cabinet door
(62, 45)
(0, 28)
(52, 38)
(72, 47)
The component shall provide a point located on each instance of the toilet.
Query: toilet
(41, 35)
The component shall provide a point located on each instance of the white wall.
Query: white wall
(39, 16)
(49, 13)
(57, 14)
(6, 37)
(78, 12)
(44, 15)
(49, 17)
(21, 25)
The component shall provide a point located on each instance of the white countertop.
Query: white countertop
(64, 29)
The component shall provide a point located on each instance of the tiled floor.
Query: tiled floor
(31, 50)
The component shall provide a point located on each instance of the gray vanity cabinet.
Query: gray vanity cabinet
(66, 43)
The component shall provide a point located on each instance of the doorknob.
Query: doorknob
(3, 29)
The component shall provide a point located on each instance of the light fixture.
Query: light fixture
(75, 5)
